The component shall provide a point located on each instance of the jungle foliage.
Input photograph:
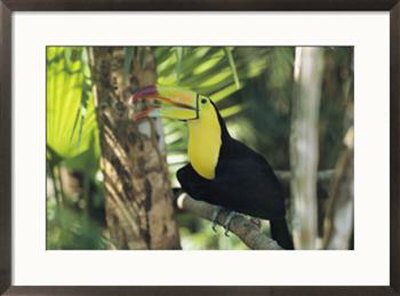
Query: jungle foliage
(253, 88)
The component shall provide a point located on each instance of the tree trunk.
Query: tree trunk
(138, 196)
(339, 222)
(304, 145)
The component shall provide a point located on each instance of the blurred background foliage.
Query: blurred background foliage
(253, 88)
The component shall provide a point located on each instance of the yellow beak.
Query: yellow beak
(168, 102)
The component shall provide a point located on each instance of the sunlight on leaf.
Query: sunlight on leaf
(228, 52)
(69, 104)
(230, 111)
(224, 93)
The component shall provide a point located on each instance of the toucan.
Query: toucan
(221, 170)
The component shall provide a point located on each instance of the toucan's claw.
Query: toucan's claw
(214, 219)
(226, 233)
(214, 227)
(228, 221)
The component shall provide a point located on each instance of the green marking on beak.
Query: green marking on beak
(174, 103)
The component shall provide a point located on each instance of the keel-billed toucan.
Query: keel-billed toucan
(221, 170)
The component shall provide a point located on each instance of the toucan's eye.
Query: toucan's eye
(203, 101)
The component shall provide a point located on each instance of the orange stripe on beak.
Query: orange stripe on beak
(151, 92)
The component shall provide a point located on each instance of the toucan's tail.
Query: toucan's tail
(280, 233)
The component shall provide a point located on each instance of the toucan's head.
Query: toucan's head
(206, 128)
(172, 102)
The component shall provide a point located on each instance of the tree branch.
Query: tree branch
(324, 175)
(240, 225)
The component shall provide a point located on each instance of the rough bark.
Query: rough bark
(304, 145)
(139, 211)
(248, 232)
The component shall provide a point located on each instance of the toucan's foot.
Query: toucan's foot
(227, 222)
(215, 216)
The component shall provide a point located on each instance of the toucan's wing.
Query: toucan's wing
(192, 183)
(250, 186)
(243, 185)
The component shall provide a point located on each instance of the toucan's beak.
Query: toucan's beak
(167, 102)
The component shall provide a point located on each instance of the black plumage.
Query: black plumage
(244, 182)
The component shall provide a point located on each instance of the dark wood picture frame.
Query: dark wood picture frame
(7, 7)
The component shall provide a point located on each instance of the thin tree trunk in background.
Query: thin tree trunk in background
(139, 210)
(339, 222)
(304, 145)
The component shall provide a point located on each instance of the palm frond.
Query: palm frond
(71, 121)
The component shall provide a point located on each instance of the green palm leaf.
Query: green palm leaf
(71, 121)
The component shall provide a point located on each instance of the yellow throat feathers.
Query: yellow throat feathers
(205, 141)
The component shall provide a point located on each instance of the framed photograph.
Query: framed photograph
(227, 148)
